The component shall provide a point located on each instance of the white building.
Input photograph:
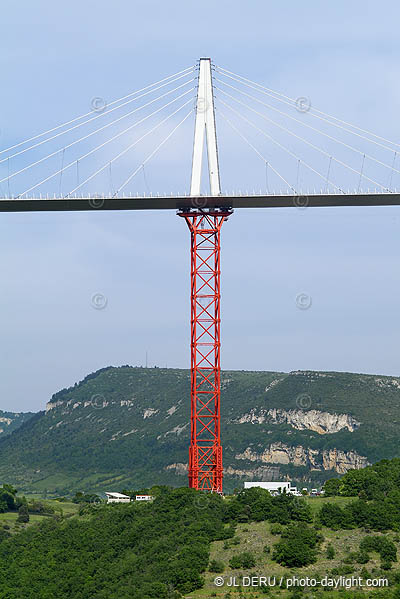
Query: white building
(117, 498)
(144, 498)
(275, 488)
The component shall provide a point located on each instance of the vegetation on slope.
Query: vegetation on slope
(140, 551)
(179, 543)
(11, 421)
(101, 431)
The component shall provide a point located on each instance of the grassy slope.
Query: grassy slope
(254, 536)
(10, 518)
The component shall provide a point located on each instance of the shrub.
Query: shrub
(362, 557)
(276, 529)
(330, 552)
(382, 545)
(335, 517)
(235, 541)
(4, 534)
(216, 566)
(38, 507)
(23, 514)
(248, 559)
(351, 557)
(243, 560)
(342, 570)
(364, 573)
(235, 562)
(297, 546)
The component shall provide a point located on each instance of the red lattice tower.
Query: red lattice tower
(205, 452)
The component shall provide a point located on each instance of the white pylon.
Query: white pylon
(205, 122)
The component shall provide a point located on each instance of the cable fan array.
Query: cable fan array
(299, 144)
(92, 147)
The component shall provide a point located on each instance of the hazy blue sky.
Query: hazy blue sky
(56, 57)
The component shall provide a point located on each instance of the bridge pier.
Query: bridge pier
(205, 452)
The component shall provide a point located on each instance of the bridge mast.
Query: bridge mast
(205, 452)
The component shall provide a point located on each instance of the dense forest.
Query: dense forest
(162, 549)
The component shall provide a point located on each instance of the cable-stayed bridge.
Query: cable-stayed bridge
(301, 155)
(304, 157)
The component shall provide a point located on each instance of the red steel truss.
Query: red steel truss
(205, 453)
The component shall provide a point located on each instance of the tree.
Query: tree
(332, 487)
(9, 489)
(293, 554)
(297, 546)
(382, 545)
(333, 516)
(276, 529)
(7, 497)
(330, 552)
(23, 514)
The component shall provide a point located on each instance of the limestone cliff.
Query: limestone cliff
(315, 459)
(314, 420)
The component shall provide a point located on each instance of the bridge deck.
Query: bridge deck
(187, 202)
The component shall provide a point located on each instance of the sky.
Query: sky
(83, 291)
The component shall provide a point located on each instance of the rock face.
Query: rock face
(10, 421)
(316, 459)
(52, 405)
(4, 422)
(314, 420)
(265, 473)
(178, 468)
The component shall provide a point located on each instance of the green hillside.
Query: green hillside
(129, 427)
(186, 543)
(11, 421)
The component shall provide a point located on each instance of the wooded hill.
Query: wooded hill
(129, 427)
